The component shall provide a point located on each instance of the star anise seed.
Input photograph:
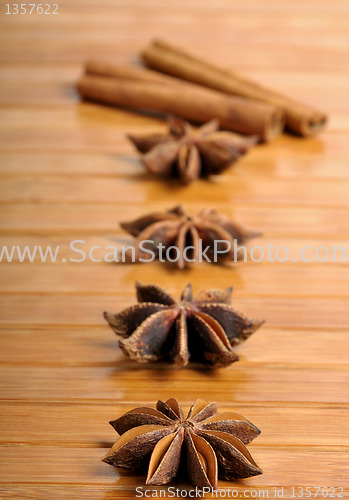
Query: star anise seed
(190, 153)
(203, 328)
(175, 228)
(214, 443)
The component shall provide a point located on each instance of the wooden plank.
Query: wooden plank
(85, 424)
(97, 346)
(38, 74)
(101, 219)
(320, 313)
(55, 189)
(66, 465)
(57, 77)
(243, 382)
(59, 492)
(272, 52)
(26, 90)
(101, 492)
(257, 163)
(92, 118)
(43, 95)
(251, 279)
(70, 164)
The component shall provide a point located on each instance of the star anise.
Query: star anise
(214, 443)
(204, 328)
(175, 229)
(190, 153)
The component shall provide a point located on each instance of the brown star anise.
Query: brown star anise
(175, 229)
(190, 153)
(204, 328)
(214, 443)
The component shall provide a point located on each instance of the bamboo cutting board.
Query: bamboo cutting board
(68, 173)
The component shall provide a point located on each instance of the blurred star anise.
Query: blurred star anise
(203, 328)
(190, 153)
(214, 443)
(175, 228)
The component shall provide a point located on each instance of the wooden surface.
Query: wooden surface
(67, 172)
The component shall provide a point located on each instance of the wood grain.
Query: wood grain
(76, 346)
(60, 218)
(84, 310)
(67, 172)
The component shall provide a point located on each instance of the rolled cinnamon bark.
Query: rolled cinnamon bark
(103, 68)
(188, 101)
(172, 60)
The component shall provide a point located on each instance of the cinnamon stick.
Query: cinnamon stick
(135, 88)
(103, 68)
(172, 60)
